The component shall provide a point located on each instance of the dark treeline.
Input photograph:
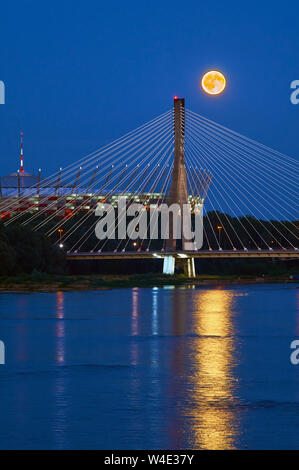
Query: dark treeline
(25, 250)
(234, 232)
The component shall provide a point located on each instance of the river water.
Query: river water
(150, 368)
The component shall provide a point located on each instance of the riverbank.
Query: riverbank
(51, 283)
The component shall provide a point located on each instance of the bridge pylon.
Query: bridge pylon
(178, 193)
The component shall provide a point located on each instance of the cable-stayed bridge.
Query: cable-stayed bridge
(248, 192)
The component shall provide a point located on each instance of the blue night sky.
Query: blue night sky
(79, 74)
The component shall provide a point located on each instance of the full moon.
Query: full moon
(213, 82)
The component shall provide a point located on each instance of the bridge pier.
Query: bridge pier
(191, 267)
(188, 265)
(169, 265)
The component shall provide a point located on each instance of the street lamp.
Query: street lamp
(219, 228)
(60, 231)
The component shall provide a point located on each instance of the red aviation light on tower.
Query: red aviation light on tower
(22, 162)
(175, 97)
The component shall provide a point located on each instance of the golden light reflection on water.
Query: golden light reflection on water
(214, 422)
(200, 361)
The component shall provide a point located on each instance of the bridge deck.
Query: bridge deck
(184, 254)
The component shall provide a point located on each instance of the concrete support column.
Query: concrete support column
(169, 265)
(187, 264)
(178, 189)
(191, 267)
